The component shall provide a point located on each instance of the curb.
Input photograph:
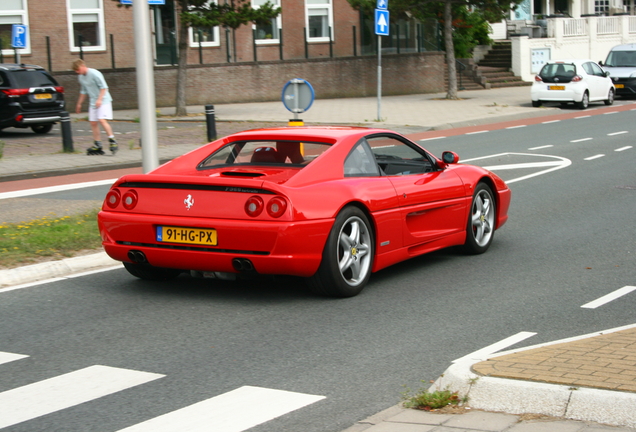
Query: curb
(54, 269)
(517, 397)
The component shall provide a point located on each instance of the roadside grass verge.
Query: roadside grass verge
(47, 238)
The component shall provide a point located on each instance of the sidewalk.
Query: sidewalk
(581, 384)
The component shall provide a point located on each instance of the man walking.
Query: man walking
(93, 84)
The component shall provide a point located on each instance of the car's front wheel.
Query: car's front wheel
(480, 229)
(610, 97)
(585, 101)
(536, 103)
(42, 129)
(348, 256)
(148, 272)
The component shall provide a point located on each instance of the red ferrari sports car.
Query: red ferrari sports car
(330, 204)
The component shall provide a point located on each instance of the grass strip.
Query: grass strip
(47, 238)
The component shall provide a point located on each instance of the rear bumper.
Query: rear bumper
(284, 248)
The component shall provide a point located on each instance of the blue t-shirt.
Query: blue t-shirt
(91, 84)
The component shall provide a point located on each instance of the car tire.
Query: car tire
(536, 104)
(347, 258)
(610, 97)
(151, 273)
(42, 129)
(480, 228)
(585, 101)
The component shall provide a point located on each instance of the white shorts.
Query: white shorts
(103, 112)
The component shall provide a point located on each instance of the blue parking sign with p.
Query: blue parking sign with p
(18, 36)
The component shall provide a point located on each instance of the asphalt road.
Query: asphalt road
(570, 240)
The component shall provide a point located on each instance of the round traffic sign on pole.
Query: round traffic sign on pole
(298, 95)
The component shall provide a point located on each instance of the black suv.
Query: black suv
(29, 97)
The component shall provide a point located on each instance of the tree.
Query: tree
(491, 10)
(206, 13)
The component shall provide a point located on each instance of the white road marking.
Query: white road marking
(623, 148)
(611, 112)
(56, 279)
(581, 140)
(516, 127)
(594, 157)
(477, 132)
(6, 357)
(564, 162)
(434, 138)
(497, 346)
(234, 411)
(582, 117)
(551, 121)
(64, 391)
(541, 147)
(49, 189)
(617, 133)
(609, 297)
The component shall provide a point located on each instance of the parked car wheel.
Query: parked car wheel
(610, 97)
(585, 101)
(536, 104)
(348, 256)
(148, 272)
(481, 221)
(42, 129)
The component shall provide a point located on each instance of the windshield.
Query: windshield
(264, 153)
(621, 59)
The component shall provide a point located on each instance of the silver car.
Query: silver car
(572, 81)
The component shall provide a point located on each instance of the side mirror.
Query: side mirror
(449, 157)
(607, 73)
(600, 63)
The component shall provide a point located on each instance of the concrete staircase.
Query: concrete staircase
(495, 67)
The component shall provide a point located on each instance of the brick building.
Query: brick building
(306, 31)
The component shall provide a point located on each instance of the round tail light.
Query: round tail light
(130, 199)
(276, 207)
(113, 198)
(254, 206)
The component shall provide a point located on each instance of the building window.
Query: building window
(601, 6)
(267, 33)
(86, 25)
(319, 20)
(12, 12)
(209, 36)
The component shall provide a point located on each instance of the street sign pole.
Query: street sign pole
(379, 78)
(381, 29)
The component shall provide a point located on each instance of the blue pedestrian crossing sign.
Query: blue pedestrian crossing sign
(18, 36)
(381, 22)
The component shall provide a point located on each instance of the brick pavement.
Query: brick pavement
(606, 361)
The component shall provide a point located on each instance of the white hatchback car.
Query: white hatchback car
(572, 81)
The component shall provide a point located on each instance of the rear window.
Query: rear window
(561, 70)
(265, 153)
(621, 59)
(30, 78)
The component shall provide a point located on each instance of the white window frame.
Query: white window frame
(215, 43)
(24, 17)
(275, 38)
(314, 6)
(99, 11)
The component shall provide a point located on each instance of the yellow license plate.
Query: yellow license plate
(43, 96)
(619, 85)
(556, 87)
(201, 236)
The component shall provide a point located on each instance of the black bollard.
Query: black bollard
(67, 135)
(210, 121)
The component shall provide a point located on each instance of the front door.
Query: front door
(165, 33)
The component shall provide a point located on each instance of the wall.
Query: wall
(565, 43)
(256, 82)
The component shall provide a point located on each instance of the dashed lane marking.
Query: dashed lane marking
(6, 357)
(541, 147)
(227, 412)
(581, 140)
(594, 157)
(617, 133)
(609, 297)
(623, 148)
(64, 391)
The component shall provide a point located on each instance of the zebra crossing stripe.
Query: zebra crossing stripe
(6, 357)
(64, 391)
(234, 411)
